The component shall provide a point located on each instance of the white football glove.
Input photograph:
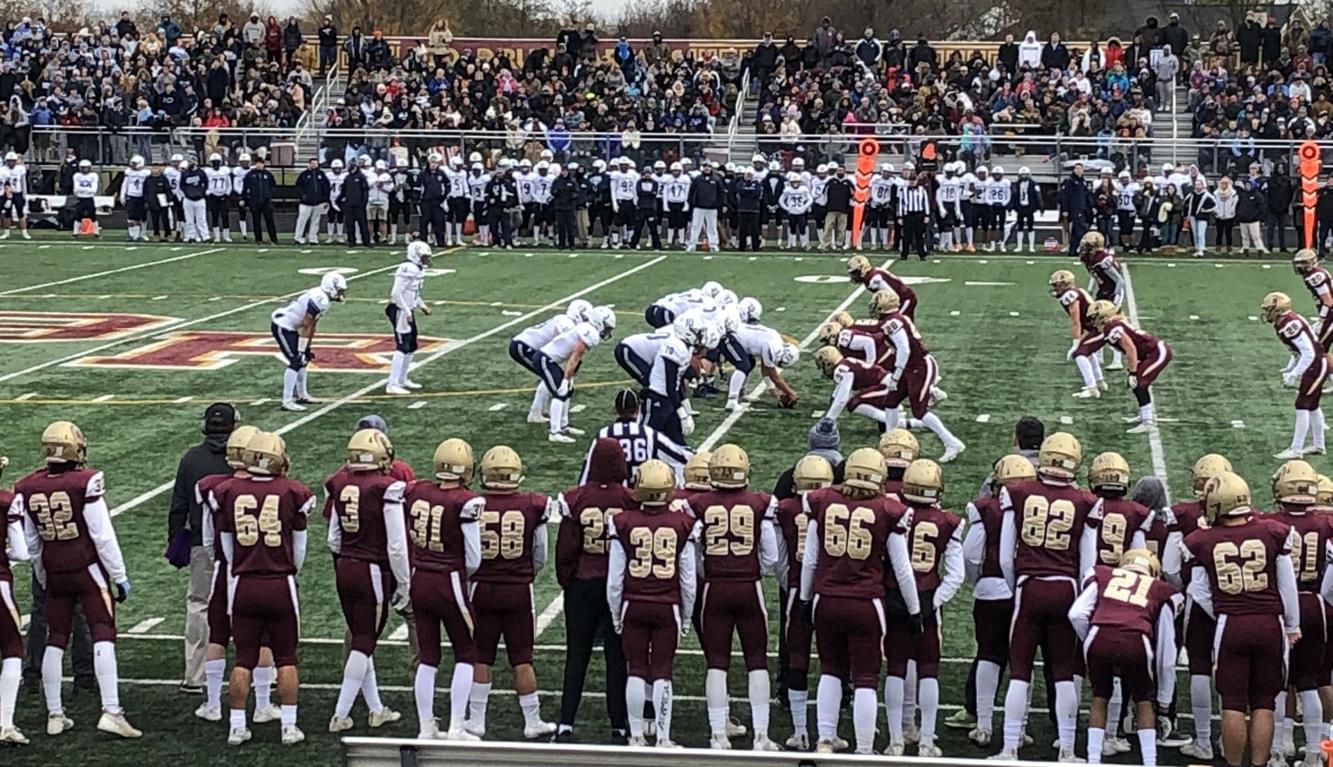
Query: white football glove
(1290, 380)
(1069, 355)
(617, 624)
(686, 421)
(401, 602)
(1132, 380)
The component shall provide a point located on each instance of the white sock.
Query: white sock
(759, 705)
(301, 390)
(891, 418)
(1066, 712)
(636, 693)
(1114, 708)
(1201, 706)
(662, 704)
(929, 698)
(1312, 712)
(263, 677)
(558, 413)
(933, 422)
(541, 400)
(288, 385)
(237, 719)
(1302, 427)
(1015, 712)
(1317, 427)
(476, 704)
(988, 682)
(715, 695)
(1095, 737)
(736, 386)
(797, 701)
(1097, 367)
(52, 663)
(1145, 413)
(1084, 365)
(424, 687)
(287, 715)
(243, 226)
(531, 707)
(213, 671)
(1148, 747)
(11, 676)
(893, 707)
(370, 689)
(863, 719)
(354, 673)
(459, 687)
(909, 695)
(407, 366)
(873, 413)
(397, 369)
(828, 701)
(108, 677)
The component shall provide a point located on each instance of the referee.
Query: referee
(640, 441)
(913, 206)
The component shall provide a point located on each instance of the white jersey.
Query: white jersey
(562, 347)
(998, 191)
(819, 190)
(336, 180)
(796, 200)
(541, 188)
(759, 341)
(676, 189)
(476, 187)
(85, 185)
(526, 183)
(881, 191)
(950, 191)
(407, 281)
(312, 303)
(16, 177)
(623, 185)
(541, 334)
(381, 183)
(133, 183)
(672, 353)
(679, 303)
(238, 175)
(457, 182)
(219, 181)
(1124, 195)
(646, 345)
(173, 176)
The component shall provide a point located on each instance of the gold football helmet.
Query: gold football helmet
(1226, 495)
(1141, 561)
(858, 265)
(1061, 281)
(1296, 482)
(923, 481)
(1059, 456)
(1324, 496)
(369, 450)
(1206, 468)
(63, 442)
(828, 333)
(811, 473)
(1091, 242)
(1109, 471)
(729, 467)
(899, 448)
(842, 318)
(1304, 261)
(236, 442)
(266, 454)
(864, 471)
(826, 359)
(1275, 305)
(884, 302)
(1102, 312)
(1012, 468)
(696, 471)
(453, 461)
(654, 483)
(501, 468)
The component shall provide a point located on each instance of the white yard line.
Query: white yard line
(1155, 450)
(107, 272)
(548, 615)
(447, 348)
(143, 627)
(758, 390)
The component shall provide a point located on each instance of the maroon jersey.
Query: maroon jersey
(357, 497)
(1291, 328)
(399, 471)
(587, 511)
(1103, 268)
(1144, 343)
(653, 542)
(853, 534)
(1189, 516)
(508, 524)
(1076, 302)
(991, 517)
(1313, 530)
(1241, 563)
(1129, 601)
(1116, 520)
(1048, 520)
(866, 343)
(793, 524)
(262, 514)
(203, 495)
(730, 524)
(680, 500)
(898, 322)
(932, 529)
(435, 520)
(1317, 282)
(878, 278)
(6, 499)
(893, 488)
(54, 502)
(863, 376)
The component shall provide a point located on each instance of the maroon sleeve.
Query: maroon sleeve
(329, 492)
(566, 552)
(301, 495)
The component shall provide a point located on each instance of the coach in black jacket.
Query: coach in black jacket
(258, 193)
(312, 194)
(355, 194)
(1076, 206)
(434, 188)
(565, 196)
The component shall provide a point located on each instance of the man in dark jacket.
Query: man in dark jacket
(566, 191)
(1076, 206)
(1008, 54)
(923, 53)
(870, 50)
(312, 193)
(1054, 54)
(1175, 35)
(352, 202)
(749, 200)
(791, 54)
(1279, 193)
(355, 45)
(185, 514)
(1270, 42)
(258, 193)
(1249, 37)
(328, 45)
(501, 200)
(839, 192)
(763, 60)
(434, 188)
(645, 211)
(705, 198)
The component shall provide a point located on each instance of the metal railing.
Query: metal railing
(738, 111)
(319, 104)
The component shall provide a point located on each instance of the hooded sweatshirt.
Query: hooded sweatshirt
(1029, 51)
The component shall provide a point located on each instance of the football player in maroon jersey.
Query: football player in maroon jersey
(13, 548)
(858, 386)
(853, 532)
(368, 535)
(1295, 489)
(936, 542)
(914, 374)
(1324, 505)
(992, 596)
(649, 589)
(877, 278)
(446, 549)
(1125, 618)
(1145, 356)
(899, 448)
(1120, 523)
(1108, 281)
(1306, 371)
(263, 530)
(736, 530)
(862, 341)
(580, 569)
(513, 551)
(76, 559)
(1087, 340)
(1317, 281)
(1242, 573)
(1044, 548)
(811, 473)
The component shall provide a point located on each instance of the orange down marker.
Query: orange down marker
(1308, 152)
(866, 154)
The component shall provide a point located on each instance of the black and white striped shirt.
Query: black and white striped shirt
(912, 199)
(640, 443)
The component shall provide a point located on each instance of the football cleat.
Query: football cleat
(929, 750)
(58, 723)
(979, 736)
(1201, 750)
(292, 406)
(732, 406)
(291, 735)
(1288, 455)
(667, 743)
(384, 716)
(117, 724)
(961, 720)
(825, 745)
(1121, 745)
(472, 728)
(575, 431)
(1314, 450)
(950, 453)
(894, 749)
(560, 438)
(340, 724)
(13, 736)
(635, 741)
(460, 734)
(1289, 744)
(209, 713)
(238, 735)
(1142, 428)
(305, 399)
(25, 234)
(1089, 393)
(911, 735)
(1116, 364)
(763, 743)
(539, 730)
(840, 744)
(412, 385)
(270, 713)
(538, 419)
(1005, 755)
(719, 742)
(1276, 759)
(1068, 756)
(396, 390)
(799, 741)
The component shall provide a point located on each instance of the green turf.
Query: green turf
(999, 338)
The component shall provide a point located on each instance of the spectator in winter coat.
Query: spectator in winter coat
(291, 40)
(1250, 209)
(1008, 54)
(1166, 69)
(1054, 55)
(1278, 192)
(1270, 42)
(1175, 35)
(1225, 214)
(869, 50)
(253, 31)
(1029, 52)
(1321, 38)
(1249, 37)
(328, 45)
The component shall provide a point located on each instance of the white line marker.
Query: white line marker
(258, 402)
(1155, 450)
(417, 405)
(497, 407)
(27, 396)
(1267, 266)
(158, 298)
(399, 634)
(549, 614)
(1194, 316)
(1238, 424)
(1252, 318)
(143, 627)
(983, 418)
(87, 247)
(215, 298)
(307, 251)
(104, 398)
(954, 313)
(579, 408)
(104, 273)
(1218, 266)
(1013, 314)
(43, 247)
(982, 261)
(1029, 262)
(983, 284)
(183, 400)
(1067, 420)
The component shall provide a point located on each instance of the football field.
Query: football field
(132, 342)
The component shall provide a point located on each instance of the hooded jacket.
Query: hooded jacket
(1029, 52)
(205, 459)
(606, 467)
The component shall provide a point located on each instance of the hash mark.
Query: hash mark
(1268, 266)
(104, 398)
(183, 400)
(982, 261)
(417, 405)
(143, 627)
(1238, 424)
(1253, 318)
(27, 396)
(399, 634)
(983, 418)
(1194, 316)
(579, 408)
(954, 313)
(1013, 314)
(497, 407)
(1066, 420)
(158, 298)
(215, 298)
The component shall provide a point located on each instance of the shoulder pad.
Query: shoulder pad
(96, 487)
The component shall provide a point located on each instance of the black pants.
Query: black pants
(1275, 234)
(914, 235)
(588, 619)
(502, 228)
(748, 226)
(219, 213)
(564, 228)
(646, 217)
(161, 220)
(263, 214)
(1078, 226)
(432, 219)
(354, 221)
(82, 656)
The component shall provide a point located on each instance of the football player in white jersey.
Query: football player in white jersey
(879, 214)
(219, 198)
(477, 181)
(131, 196)
(949, 215)
(624, 198)
(665, 406)
(998, 194)
(14, 177)
(676, 195)
(86, 184)
(238, 175)
(404, 302)
(293, 327)
(753, 342)
(559, 359)
(636, 353)
(172, 172)
(1126, 189)
(666, 309)
(334, 223)
(523, 349)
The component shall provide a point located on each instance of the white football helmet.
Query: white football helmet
(215, 157)
(579, 310)
(418, 252)
(710, 336)
(474, 157)
(725, 297)
(85, 165)
(711, 288)
(786, 355)
(750, 309)
(728, 321)
(136, 161)
(245, 158)
(334, 286)
(686, 326)
(604, 319)
(176, 159)
(336, 165)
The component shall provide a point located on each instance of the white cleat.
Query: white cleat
(57, 724)
(1089, 393)
(1288, 455)
(340, 724)
(928, 750)
(117, 724)
(719, 742)
(732, 406)
(635, 741)
(575, 431)
(1121, 745)
(293, 406)
(735, 729)
(950, 453)
(980, 737)
(26, 236)
(1276, 759)
(1068, 756)
(270, 713)
(557, 437)
(396, 390)
(238, 735)
(1201, 750)
(384, 716)
(1142, 428)
(937, 395)
(429, 731)
(538, 418)
(412, 385)
(539, 730)
(763, 743)
(473, 729)
(209, 713)
(13, 736)
(894, 749)
(1005, 755)
(825, 745)
(799, 741)
(911, 735)
(291, 735)
(1115, 365)
(667, 743)
(840, 744)
(1315, 450)
(460, 734)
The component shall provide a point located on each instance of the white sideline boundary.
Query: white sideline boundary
(447, 348)
(108, 272)
(1155, 450)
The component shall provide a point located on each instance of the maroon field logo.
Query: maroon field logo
(43, 327)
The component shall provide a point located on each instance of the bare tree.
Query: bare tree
(195, 15)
